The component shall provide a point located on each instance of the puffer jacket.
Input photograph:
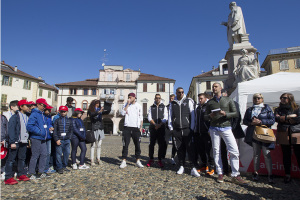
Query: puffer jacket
(49, 125)
(63, 125)
(35, 125)
(267, 118)
(77, 133)
(226, 104)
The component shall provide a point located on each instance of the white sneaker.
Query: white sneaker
(74, 166)
(3, 176)
(173, 161)
(123, 164)
(194, 172)
(181, 170)
(83, 167)
(139, 164)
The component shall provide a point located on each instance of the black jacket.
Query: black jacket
(96, 120)
(63, 125)
(284, 111)
(157, 114)
(202, 125)
(181, 116)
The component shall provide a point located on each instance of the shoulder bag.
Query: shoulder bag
(90, 137)
(264, 134)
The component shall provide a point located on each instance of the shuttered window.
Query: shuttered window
(27, 85)
(3, 99)
(284, 65)
(144, 87)
(160, 87)
(144, 109)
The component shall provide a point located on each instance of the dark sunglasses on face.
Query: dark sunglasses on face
(257, 98)
(63, 111)
(283, 98)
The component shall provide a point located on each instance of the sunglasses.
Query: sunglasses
(62, 111)
(284, 98)
(257, 98)
(180, 92)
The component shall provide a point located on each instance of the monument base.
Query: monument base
(232, 56)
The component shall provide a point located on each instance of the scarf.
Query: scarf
(256, 110)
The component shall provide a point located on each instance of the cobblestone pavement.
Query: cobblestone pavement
(108, 181)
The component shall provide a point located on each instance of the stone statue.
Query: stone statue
(247, 68)
(235, 24)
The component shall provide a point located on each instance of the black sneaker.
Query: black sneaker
(287, 179)
(255, 176)
(66, 170)
(60, 171)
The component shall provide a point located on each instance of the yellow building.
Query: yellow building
(282, 60)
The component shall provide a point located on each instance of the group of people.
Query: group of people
(213, 125)
(39, 143)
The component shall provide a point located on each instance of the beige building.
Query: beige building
(113, 85)
(282, 60)
(17, 85)
(203, 82)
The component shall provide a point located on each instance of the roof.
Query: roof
(47, 86)
(284, 50)
(87, 82)
(207, 74)
(150, 77)
(9, 69)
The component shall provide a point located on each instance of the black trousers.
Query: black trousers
(184, 143)
(135, 134)
(174, 150)
(159, 137)
(287, 156)
(203, 148)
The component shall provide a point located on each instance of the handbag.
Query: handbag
(90, 137)
(295, 134)
(264, 134)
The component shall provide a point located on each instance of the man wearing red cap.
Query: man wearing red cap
(17, 140)
(133, 125)
(37, 128)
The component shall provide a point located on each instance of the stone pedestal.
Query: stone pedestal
(232, 56)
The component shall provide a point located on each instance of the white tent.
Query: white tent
(271, 87)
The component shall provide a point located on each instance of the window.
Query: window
(109, 77)
(127, 77)
(85, 92)
(160, 87)
(208, 85)
(106, 91)
(283, 65)
(27, 85)
(297, 63)
(6, 80)
(144, 87)
(73, 91)
(112, 91)
(93, 91)
(121, 92)
(49, 94)
(3, 99)
(40, 92)
(84, 105)
(144, 109)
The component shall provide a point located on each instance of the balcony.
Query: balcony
(121, 98)
(111, 96)
(103, 96)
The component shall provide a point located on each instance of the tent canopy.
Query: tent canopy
(271, 87)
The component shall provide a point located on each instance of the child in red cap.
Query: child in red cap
(17, 140)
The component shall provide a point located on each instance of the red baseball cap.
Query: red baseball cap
(131, 95)
(63, 108)
(23, 102)
(48, 107)
(3, 152)
(41, 100)
(31, 103)
(79, 109)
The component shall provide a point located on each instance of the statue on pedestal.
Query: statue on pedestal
(235, 24)
(247, 68)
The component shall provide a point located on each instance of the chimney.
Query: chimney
(40, 78)
(16, 68)
(213, 67)
(3, 62)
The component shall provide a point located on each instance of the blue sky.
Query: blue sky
(63, 40)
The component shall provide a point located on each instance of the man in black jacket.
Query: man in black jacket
(202, 138)
(182, 121)
(157, 116)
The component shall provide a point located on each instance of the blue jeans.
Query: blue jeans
(20, 153)
(62, 149)
(39, 151)
(75, 142)
(48, 143)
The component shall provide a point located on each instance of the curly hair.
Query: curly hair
(93, 105)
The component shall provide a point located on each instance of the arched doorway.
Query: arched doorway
(108, 125)
(121, 124)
